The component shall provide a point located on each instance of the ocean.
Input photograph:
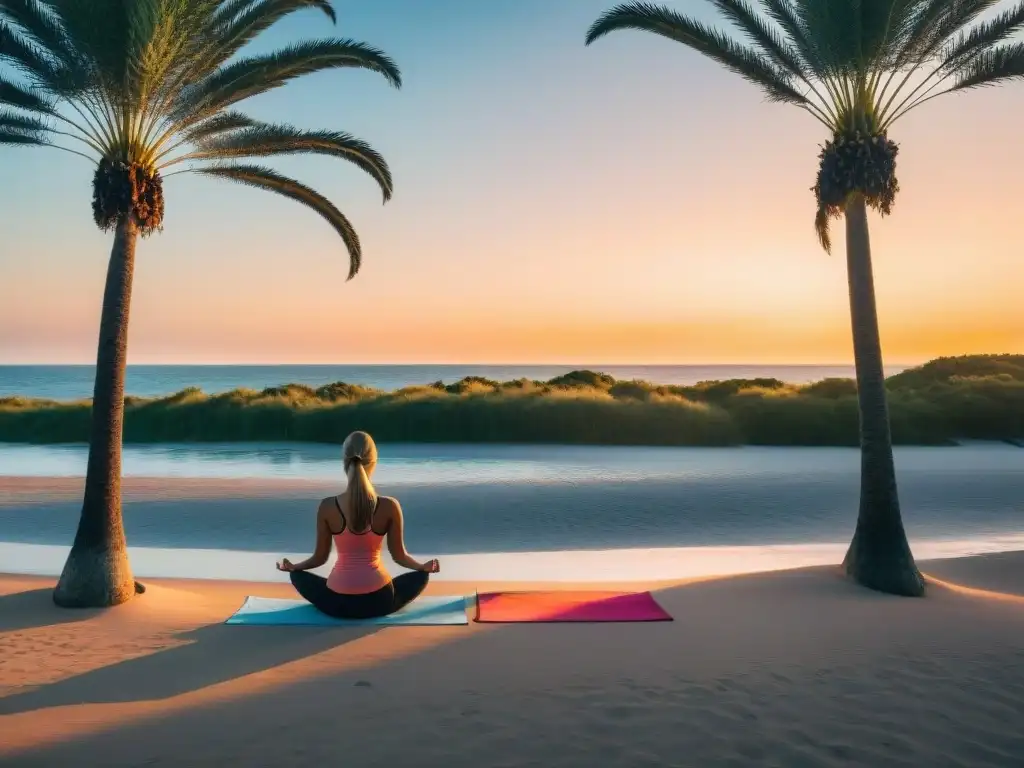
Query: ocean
(583, 513)
(579, 513)
(68, 382)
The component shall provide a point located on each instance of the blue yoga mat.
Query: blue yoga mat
(275, 611)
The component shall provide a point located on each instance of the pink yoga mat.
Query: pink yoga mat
(567, 605)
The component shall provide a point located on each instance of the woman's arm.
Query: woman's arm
(323, 545)
(396, 543)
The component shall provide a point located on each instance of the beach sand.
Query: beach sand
(791, 668)
(19, 490)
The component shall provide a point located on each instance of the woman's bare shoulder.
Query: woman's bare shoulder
(388, 506)
(328, 509)
(389, 502)
(328, 513)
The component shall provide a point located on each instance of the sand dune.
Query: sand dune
(795, 668)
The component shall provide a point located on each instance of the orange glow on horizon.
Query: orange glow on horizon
(707, 343)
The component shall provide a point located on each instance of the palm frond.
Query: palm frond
(136, 82)
(271, 181)
(794, 60)
(749, 64)
(888, 28)
(229, 9)
(925, 29)
(973, 59)
(240, 25)
(236, 23)
(14, 120)
(850, 39)
(982, 37)
(930, 23)
(784, 14)
(266, 140)
(104, 44)
(762, 35)
(222, 123)
(22, 129)
(180, 53)
(40, 26)
(935, 22)
(991, 67)
(13, 136)
(836, 31)
(258, 74)
(30, 59)
(822, 228)
(14, 95)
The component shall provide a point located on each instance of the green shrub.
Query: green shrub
(941, 402)
(831, 388)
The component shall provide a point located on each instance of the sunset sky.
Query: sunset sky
(630, 202)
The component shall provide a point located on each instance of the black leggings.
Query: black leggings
(396, 594)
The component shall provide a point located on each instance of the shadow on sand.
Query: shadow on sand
(728, 634)
(218, 653)
(999, 573)
(34, 608)
(211, 654)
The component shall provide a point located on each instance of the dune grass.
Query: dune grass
(949, 399)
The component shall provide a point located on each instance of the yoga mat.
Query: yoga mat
(275, 611)
(567, 605)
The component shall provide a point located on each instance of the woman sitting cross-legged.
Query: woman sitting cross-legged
(359, 520)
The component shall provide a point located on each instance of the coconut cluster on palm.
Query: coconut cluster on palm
(856, 66)
(146, 89)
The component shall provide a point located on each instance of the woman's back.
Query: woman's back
(358, 569)
(358, 521)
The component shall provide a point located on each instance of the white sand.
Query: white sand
(793, 668)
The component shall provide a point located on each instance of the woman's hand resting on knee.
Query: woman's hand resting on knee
(431, 566)
(285, 565)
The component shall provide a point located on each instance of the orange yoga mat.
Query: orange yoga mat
(567, 605)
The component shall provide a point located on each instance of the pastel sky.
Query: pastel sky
(629, 202)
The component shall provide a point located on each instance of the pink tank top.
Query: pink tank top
(358, 570)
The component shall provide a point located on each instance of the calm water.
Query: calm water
(63, 382)
(479, 499)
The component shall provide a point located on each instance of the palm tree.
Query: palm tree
(137, 87)
(855, 66)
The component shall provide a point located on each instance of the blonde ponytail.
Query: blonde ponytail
(362, 498)
(360, 457)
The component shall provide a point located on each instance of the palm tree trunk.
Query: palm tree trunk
(879, 556)
(97, 572)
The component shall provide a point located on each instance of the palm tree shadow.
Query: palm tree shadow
(212, 654)
(994, 573)
(765, 614)
(34, 608)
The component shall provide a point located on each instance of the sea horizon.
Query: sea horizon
(75, 381)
